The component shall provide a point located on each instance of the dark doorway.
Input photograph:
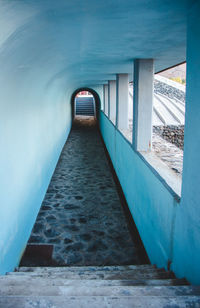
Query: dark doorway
(85, 103)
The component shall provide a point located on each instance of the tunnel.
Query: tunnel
(49, 52)
(97, 101)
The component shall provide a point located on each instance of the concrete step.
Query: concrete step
(86, 113)
(35, 280)
(87, 268)
(99, 301)
(99, 275)
(162, 291)
(85, 109)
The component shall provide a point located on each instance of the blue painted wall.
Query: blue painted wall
(34, 125)
(169, 230)
(47, 50)
(187, 227)
(35, 119)
(152, 205)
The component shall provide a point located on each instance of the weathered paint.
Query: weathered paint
(187, 227)
(112, 100)
(169, 229)
(48, 49)
(32, 133)
(34, 123)
(150, 202)
(122, 99)
(143, 104)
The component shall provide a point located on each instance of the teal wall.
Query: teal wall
(152, 204)
(35, 121)
(158, 215)
(47, 50)
(187, 227)
(169, 230)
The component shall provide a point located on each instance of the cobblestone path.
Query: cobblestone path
(81, 214)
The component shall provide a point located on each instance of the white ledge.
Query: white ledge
(172, 179)
(170, 82)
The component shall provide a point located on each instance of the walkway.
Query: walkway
(81, 215)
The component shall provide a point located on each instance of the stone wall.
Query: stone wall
(173, 134)
(168, 90)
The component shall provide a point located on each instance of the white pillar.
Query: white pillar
(122, 95)
(105, 92)
(112, 100)
(143, 104)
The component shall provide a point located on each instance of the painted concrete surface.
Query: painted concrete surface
(98, 39)
(167, 108)
(112, 100)
(35, 122)
(169, 230)
(122, 97)
(81, 214)
(143, 104)
(106, 100)
(187, 228)
(47, 50)
(150, 202)
(165, 157)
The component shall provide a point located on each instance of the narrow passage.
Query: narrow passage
(81, 215)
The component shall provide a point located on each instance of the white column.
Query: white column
(103, 98)
(143, 104)
(112, 100)
(122, 93)
(105, 92)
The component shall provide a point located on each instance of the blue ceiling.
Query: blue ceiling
(91, 40)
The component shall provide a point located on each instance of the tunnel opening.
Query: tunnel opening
(85, 104)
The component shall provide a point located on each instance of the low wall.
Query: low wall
(151, 202)
(164, 224)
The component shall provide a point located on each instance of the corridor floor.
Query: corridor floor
(81, 215)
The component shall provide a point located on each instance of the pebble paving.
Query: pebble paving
(81, 215)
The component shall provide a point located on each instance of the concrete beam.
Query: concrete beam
(122, 96)
(143, 104)
(112, 100)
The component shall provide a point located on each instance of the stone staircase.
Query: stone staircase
(85, 106)
(108, 286)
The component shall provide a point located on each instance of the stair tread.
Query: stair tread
(84, 106)
(10, 280)
(94, 286)
(88, 268)
(99, 301)
(40, 290)
(81, 274)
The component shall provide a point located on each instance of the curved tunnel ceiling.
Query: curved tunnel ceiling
(83, 43)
